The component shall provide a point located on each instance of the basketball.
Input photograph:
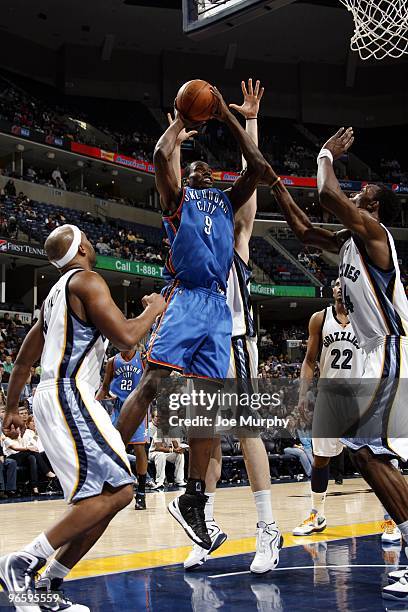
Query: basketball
(195, 100)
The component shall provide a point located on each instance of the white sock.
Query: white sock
(318, 502)
(40, 547)
(403, 527)
(209, 507)
(263, 503)
(55, 570)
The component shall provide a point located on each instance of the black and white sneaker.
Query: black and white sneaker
(59, 600)
(398, 591)
(140, 501)
(17, 575)
(188, 510)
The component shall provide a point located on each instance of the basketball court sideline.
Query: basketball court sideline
(137, 564)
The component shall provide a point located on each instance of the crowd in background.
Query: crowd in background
(290, 152)
(24, 468)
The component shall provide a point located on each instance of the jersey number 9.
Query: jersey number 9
(208, 225)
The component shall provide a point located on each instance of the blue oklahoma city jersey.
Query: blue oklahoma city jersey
(201, 235)
(126, 376)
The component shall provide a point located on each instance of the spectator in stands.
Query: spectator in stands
(58, 180)
(4, 376)
(293, 447)
(12, 228)
(10, 188)
(34, 377)
(13, 448)
(28, 402)
(8, 363)
(5, 321)
(32, 440)
(8, 467)
(17, 321)
(36, 313)
(31, 173)
(163, 449)
(102, 247)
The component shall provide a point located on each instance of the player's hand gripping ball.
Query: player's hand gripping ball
(195, 101)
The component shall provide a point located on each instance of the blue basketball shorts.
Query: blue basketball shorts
(193, 335)
(141, 435)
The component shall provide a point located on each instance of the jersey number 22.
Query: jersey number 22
(347, 357)
(126, 385)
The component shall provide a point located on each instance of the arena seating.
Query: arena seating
(278, 268)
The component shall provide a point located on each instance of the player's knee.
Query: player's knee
(122, 498)
(149, 385)
(362, 459)
(320, 462)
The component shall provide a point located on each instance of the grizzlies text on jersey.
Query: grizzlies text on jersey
(375, 299)
(340, 356)
(378, 309)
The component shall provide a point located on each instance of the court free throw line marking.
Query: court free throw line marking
(298, 567)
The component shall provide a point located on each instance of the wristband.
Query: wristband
(325, 153)
(251, 118)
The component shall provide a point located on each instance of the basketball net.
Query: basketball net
(380, 27)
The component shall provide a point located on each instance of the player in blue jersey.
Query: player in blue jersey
(122, 375)
(243, 367)
(193, 335)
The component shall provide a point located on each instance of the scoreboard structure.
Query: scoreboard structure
(202, 18)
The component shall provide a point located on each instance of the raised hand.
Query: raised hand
(184, 134)
(340, 143)
(252, 99)
(220, 108)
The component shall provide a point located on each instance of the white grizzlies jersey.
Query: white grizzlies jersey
(73, 349)
(375, 299)
(239, 298)
(340, 355)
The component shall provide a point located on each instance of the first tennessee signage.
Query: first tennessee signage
(24, 250)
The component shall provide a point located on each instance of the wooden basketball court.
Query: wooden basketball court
(143, 539)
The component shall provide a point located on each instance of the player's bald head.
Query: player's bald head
(58, 242)
(67, 245)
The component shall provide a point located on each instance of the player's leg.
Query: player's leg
(17, 571)
(188, 509)
(69, 417)
(337, 468)
(269, 539)
(387, 483)
(391, 534)
(323, 449)
(244, 367)
(141, 470)
(69, 554)
(199, 555)
(135, 407)
(207, 361)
